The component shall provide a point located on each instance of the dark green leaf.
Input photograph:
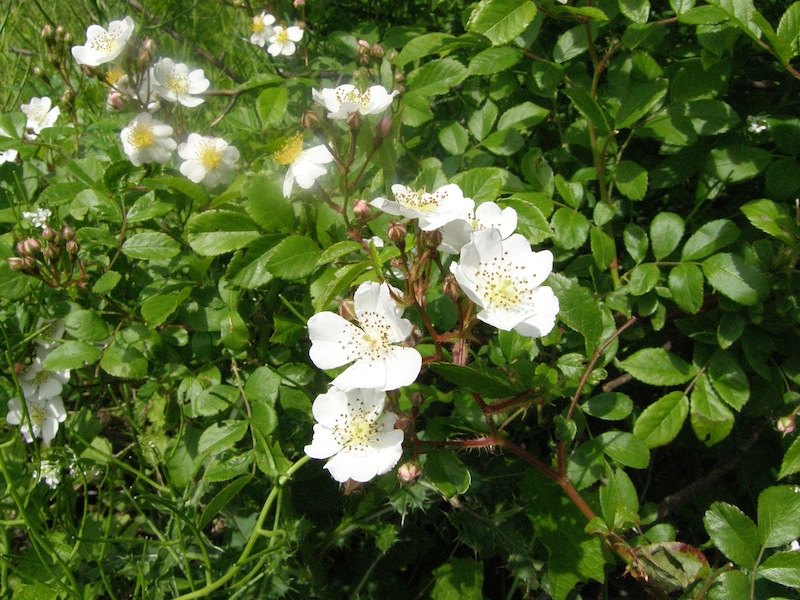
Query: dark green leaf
(711, 237)
(294, 258)
(733, 164)
(571, 228)
(609, 406)
(474, 381)
(686, 285)
(778, 515)
(791, 460)
(71, 355)
(437, 77)
(579, 309)
(589, 108)
(219, 231)
(771, 218)
(447, 473)
(666, 231)
(657, 366)
(731, 276)
(661, 422)
(219, 501)
(783, 568)
(631, 180)
(712, 421)
(733, 532)
(625, 448)
(501, 20)
(151, 245)
(458, 579)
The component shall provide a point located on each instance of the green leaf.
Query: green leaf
(501, 20)
(416, 110)
(454, 138)
(216, 398)
(579, 309)
(494, 60)
(151, 245)
(589, 108)
(156, 309)
(603, 249)
(219, 501)
(740, 12)
(791, 460)
(219, 231)
(783, 568)
(504, 143)
(522, 116)
(482, 184)
(609, 406)
(86, 325)
(704, 117)
(422, 46)
(272, 104)
(447, 473)
(618, 492)
(710, 238)
(474, 381)
(573, 42)
(671, 566)
(571, 228)
(733, 532)
(729, 379)
(685, 282)
(586, 465)
(731, 584)
(666, 231)
(643, 278)
(731, 276)
(789, 29)
(71, 355)
(123, 361)
(734, 164)
(221, 437)
(711, 420)
(773, 219)
(481, 121)
(625, 448)
(437, 77)
(265, 204)
(661, 422)
(778, 515)
(631, 179)
(458, 579)
(636, 242)
(531, 221)
(637, 11)
(657, 366)
(294, 258)
(639, 101)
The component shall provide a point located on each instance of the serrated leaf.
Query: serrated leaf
(266, 205)
(222, 498)
(151, 245)
(579, 309)
(482, 184)
(733, 532)
(791, 460)
(123, 361)
(454, 138)
(86, 325)
(294, 258)
(72, 354)
(729, 379)
(661, 422)
(783, 568)
(458, 579)
(474, 381)
(685, 282)
(710, 238)
(778, 515)
(639, 101)
(603, 249)
(338, 250)
(618, 492)
(637, 11)
(494, 60)
(731, 276)
(272, 104)
(570, 228)
(643, 278)
(501, 20)
(625, 448)
(711, 420)
(522, 116)
(737, 163)
(589, 108)
(219, 231)
(657, 366)
(789, 29)
(666, 231)
(773, 219)
(609, 406)
(631, 179)
(447, 473)
(220, 437)
(421, 46)
(437, 77)
(636, 242)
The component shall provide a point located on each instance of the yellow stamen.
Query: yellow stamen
(290, 151)
(113, 76)
(210, 157)
(141, 136)
(258, 25)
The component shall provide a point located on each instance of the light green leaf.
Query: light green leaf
(731, 276)
(609, 406)
(711, 420)
(222, 498)
(639, 101)
(570, 44)
(636, 242)
(625, 448)
(494, 60)
(631, 179)
(666, 231)
(454, 138)
(421, 46)
(603, 249)
(522, 116)
(657, 366)
(789, 29)
(729, 379)
(86, 325)
(773, 219)
(447, 473)
(710, 238)
(482, 184)
(643, 278)
(617, 493)
(272, 104)
(417, 110)
(571, 228)
(294, 258)
(737, 163)
(219, 231)
(221, 437)
(783, 568)
(791, 460)
(637, 11)
(778, 515)
(501, 20)
(71, 355)
(589, 108)
(579, 309)
(661, 422)
(458, 579)
(685, 282)
(437, 77)
(151, 245)
(733, 532)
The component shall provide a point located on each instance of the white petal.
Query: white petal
(323, 445)
(329, 335)
(49, 430)
(288, 182)
(14, 416)
(329, 407)
(402, 367)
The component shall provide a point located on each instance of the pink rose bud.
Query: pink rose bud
(786, 425)
(364, 47)
(116, 101)
(347, 310)
(408, 472)
(450, 288)
(299, 3)
(361, 210)
(396, 232)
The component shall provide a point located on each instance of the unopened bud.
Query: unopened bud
(786, 425)
(72, 247)
(16, 263)
(19, 368)
(361, 210)
(147, 52)
(50, 252)
(68, 233)
(30, 246)
(404, 421)
(384, 127)
(354, 120)
(377, 51)
(396, 232)
(431, 239)
(392, 54)
(68, 38)
(408, 472)
(115, 101)
(347, 310)
(47, 32)
(401, 89)
(450, 288)
(48, 233)
(299, 3)
(364, 48)
(417, 398)
(310, 120)
(399, 77)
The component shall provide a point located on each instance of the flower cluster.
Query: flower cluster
(282, 40)
(146, 139)
(40, 410)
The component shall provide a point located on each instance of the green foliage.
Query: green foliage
(652, 148)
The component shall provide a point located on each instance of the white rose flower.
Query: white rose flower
(283, 40)
(40, 115)
(503, 277)
(261, 29)
(45, 415)
(356, 434)
(208, 159)
(39, 217)
(379, 361)
(343, 101)
(174, 83)
(458, 233)
(433, 209)
(49, 472)
(102, 45)
(305, 166)
(147, 140)
(9, 155)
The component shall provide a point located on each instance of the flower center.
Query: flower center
(113, 76)
(290, 151)
(281, 35)
(359, 432)
(502, 284)
(419, 200)
(38, 414)
(104, 44)
(177, 83)
(353, 96)
(141, 136)
(210, 157)
(257, 25)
